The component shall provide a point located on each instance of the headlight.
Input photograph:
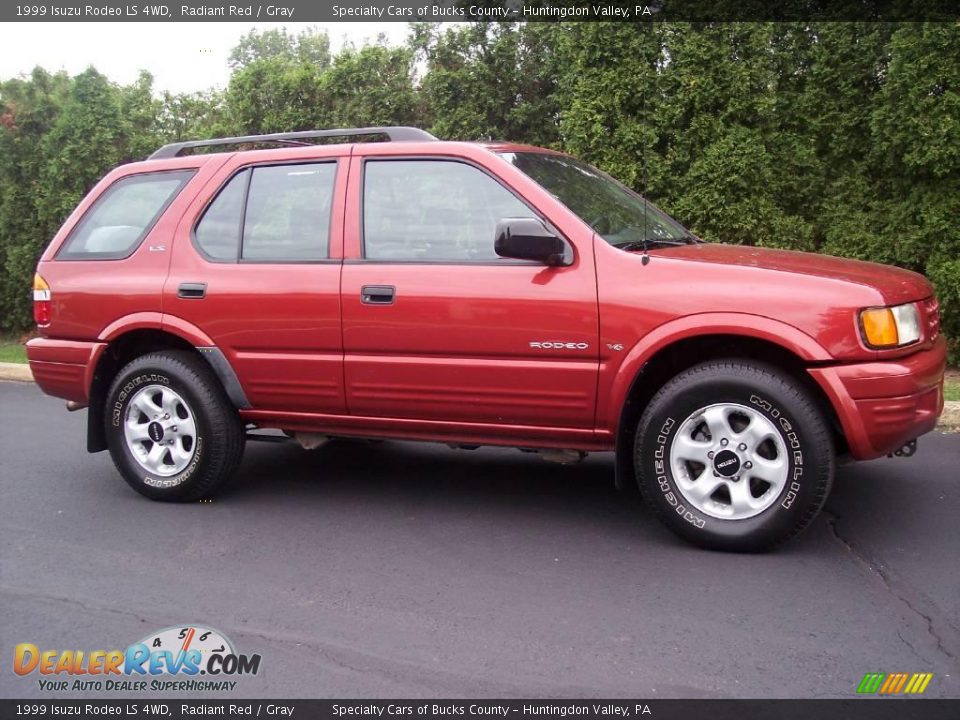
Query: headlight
(890, 327)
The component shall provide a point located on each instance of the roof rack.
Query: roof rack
(395, 134)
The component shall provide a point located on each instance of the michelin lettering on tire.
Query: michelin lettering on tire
(790, 436)
(197, 421)
(133, 384)
(120, 407)
(182, 477)
(724, 465)
(660, 464)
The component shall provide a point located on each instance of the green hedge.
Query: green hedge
(834, 137)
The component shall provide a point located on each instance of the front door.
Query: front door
(436, 326)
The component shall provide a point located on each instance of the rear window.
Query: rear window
(123, 215)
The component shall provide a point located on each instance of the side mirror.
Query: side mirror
(529, 239)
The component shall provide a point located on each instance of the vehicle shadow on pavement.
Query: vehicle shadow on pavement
(444, 485)
(441, 485)
(444, 482)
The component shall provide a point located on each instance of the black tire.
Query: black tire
(219, 434)
(764, 392)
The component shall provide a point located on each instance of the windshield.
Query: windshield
(616, 213)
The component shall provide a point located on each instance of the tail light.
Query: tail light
(41, 301)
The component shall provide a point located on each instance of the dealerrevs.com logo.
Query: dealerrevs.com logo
(180, 659)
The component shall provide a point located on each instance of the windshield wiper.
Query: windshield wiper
(649, 243)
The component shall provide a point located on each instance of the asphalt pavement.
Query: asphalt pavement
(412, 570)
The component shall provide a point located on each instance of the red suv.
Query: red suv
(471, 294)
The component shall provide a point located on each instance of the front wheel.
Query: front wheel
(734, 455)
(171, 431)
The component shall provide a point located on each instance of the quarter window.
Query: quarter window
(218, 233)
(123, 215)
(433, 210)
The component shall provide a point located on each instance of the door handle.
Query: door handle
(377, 294)
(192, 291)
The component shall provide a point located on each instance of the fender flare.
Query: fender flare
(155, 321)
(746, 325)
(188, 332)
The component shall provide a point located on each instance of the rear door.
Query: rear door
(436, 325)
(257, 269)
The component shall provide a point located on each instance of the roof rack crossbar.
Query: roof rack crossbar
(395, 134)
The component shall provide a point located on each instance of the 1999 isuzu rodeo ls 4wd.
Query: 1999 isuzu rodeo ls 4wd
(471, 294)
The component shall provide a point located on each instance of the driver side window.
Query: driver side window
(433, 210)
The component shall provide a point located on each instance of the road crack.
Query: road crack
(892, 585)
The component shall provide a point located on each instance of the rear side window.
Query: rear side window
(123, 215)
(278, 213)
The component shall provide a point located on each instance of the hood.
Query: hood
(894, 284)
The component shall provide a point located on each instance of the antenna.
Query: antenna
(645, 258)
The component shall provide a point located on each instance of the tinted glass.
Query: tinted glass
(218, 233)
(288, 212)
(123, 215)
(433, 210)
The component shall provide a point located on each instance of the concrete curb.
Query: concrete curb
(20, 372)
(950, 420)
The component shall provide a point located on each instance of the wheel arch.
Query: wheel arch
(137, 335)
(679, 353)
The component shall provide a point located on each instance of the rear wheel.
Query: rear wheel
(734, 455)
(171, 431)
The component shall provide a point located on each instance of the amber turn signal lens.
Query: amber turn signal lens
(879, 327)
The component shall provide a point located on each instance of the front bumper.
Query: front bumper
(882, 405)
(64, 368)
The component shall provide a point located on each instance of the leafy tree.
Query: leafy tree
(740, 170)
(30, 106)
(281, 92)
(609, 93)
(308, 47)
(192, 116)
(371, 86)
(837, 137)
(60, 137)
(490, 81)
(908, 194)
